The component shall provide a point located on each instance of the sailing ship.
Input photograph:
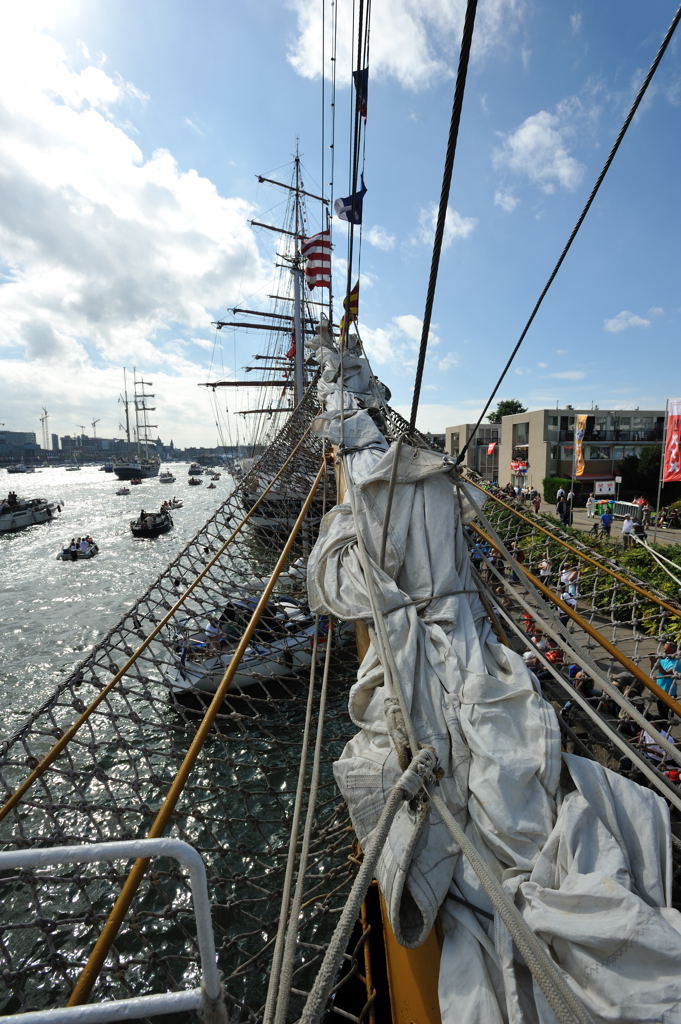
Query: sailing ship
(143, 464)
(282, 366)
(493, 856)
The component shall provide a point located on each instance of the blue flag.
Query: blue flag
(350, 209)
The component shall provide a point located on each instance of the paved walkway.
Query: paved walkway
(581, 521)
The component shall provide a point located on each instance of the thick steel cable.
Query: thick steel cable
(95, 962)
(457, 106)
(599, 181)
(63, 741)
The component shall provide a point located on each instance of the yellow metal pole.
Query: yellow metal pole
(90, 972)
(56, 750)
(603, 641)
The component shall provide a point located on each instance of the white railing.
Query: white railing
(207, 998)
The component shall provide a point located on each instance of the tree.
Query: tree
(506, 407)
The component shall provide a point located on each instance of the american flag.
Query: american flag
(317, 250)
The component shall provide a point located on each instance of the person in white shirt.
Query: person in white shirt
(627, 532)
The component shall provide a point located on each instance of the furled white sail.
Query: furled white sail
(585, 856)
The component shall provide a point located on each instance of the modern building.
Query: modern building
(482, 455)
(539, 444)
(18, 446)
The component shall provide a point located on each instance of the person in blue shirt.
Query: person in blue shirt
(666, 670)
(606, 522)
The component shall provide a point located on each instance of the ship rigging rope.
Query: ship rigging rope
(581, 554)
(565, 609)
(287, 965)
(95, 962)
(579, 656)
(68, 735)
(283, 955)
(580, 220)
(657, 779)
(418, 768)
(457, 106)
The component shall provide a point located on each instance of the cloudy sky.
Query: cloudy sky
(132, 132)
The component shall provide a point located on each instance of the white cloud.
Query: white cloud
(575, 23)
(447, 362)
(568, 375)
(543, 366)
(506, 201)
(411, 42)
(436, 417)
(398, 342)
(538, 150)
(456, 226)
(623, 321)
(380, 238)
(111, 256)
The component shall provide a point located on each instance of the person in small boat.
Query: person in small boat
(73, 549)
(213, 635)
(84, 545)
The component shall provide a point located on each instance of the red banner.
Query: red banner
(490, 447)
(672, 458)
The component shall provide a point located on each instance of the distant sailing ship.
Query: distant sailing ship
(142, 465)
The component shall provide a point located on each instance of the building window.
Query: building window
(598, 453)
(521, 433)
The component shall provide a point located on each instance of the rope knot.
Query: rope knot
(422, 769)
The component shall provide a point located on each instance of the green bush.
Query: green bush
(550, 485)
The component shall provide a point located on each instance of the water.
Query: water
(53, 612)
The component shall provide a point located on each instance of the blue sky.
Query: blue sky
(132, 134)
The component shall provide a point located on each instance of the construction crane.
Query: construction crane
(94, 424)
(46, 436)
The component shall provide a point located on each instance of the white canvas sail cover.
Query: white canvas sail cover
(586, 856)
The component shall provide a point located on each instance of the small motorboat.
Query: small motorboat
(215, 476)
(151, 524)
(17, 513)
(280, 646)
(123, 490)
(175, 503)
(211, 487)
(166, 477)
(195, 481)
(136, 480)
(74, 551)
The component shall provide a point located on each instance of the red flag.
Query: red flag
(317, 251)
(671, 469)
(490, 447)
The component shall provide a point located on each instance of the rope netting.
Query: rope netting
(595, 635)
(74, 773)
(122, 756)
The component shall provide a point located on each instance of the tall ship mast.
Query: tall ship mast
(142, 464)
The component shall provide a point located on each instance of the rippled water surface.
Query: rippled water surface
(52, 612)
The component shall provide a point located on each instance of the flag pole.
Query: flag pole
(662, 457)
(574, 457)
